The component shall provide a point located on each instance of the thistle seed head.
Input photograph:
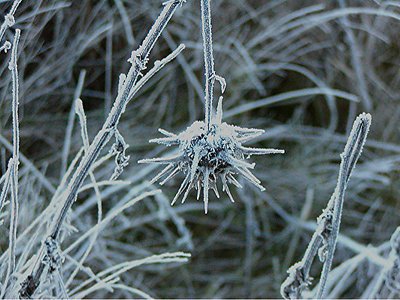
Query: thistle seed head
(205, 155)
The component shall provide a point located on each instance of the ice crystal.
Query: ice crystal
(204, 155)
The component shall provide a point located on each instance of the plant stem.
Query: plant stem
(208, 60)
(329, 221)
(139, 60)
(350, 155)
(13, 164)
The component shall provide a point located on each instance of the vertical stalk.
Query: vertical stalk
(14, 176)
(13, 165)
(208, 60)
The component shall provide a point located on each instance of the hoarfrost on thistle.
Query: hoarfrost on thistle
(204, 155)
(209, 149)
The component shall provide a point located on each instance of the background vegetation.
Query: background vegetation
(301, 70)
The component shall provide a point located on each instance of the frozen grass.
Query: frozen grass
(300, 71)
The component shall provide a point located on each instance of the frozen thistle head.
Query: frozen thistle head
(206, 155)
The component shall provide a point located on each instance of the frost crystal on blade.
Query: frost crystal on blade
(204, 155)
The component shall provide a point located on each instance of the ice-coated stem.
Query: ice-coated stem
(350, 155)
(329, 221)
(208, 60)
(138, 60)
(14, 176)
(13, 164)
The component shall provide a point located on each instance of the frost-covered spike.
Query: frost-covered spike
(248, 137)
(250, 177)
(233, 180)
(198, 190)
(161, 173)
(225, 187)
(214, 187)
(183, 186)
(260, 151)
(218, 116)
(228, 191)
(240, 163)
(206, 175)
(223, 180)
(168, 141)
(171, 175)
(249, 174)
(166, 133)
(244, 130)
(161, 160)
(195, 164)
(188, 189)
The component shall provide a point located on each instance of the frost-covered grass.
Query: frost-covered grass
(80, 215)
